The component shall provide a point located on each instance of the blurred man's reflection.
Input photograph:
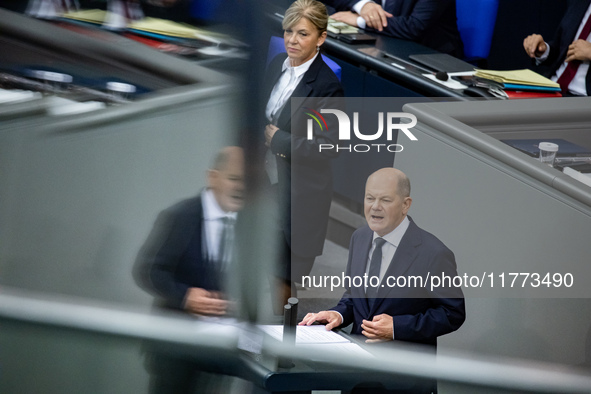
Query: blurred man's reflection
(184, 262)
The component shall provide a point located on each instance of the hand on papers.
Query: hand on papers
(347, 17)
(579, 50)
(380, 329)
(204, 302)
(270, 131)
(332, 319)
(375, 16)
(534, 45)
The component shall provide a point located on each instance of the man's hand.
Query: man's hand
(332, 319)
(270, 131)
(347, 17)
(534, 45)
(375, 16)
(579, 50)
(204, 302)
(380, 329)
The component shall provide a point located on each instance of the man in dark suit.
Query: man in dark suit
(183, 263)
(393, 246)
(432, 23)
(568, 54)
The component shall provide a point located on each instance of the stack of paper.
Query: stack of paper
(317, 335)
(521, 77)
(584, 177)
(306, 335)
(340, 27)
(160, 29)
(517, 84)
(173, 29)
(151, 25)
(96, 17)
(18, 96)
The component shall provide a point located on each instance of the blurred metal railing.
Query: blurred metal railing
(20, 307)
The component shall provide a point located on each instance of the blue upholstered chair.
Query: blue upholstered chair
(276, 47)
(476, 22)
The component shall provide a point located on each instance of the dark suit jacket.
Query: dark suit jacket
(305, 175)
(173, 258)
(432, 23)
(565, 35)
(426, 314)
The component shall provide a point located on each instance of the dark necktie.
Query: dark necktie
(374, 269)
(571, 69)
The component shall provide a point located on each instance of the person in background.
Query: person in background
(184, 264)
(301, 175)
(569, 53)
(432, 23)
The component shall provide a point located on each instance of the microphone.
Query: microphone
(442, 76)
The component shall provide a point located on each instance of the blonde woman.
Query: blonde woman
(302, 173)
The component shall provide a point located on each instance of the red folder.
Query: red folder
(520, 94)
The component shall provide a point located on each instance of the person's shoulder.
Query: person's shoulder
(326, 80)
(192, 205)
(325, 69)
(362, 231)
(181, 216)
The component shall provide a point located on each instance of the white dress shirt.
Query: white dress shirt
(283, 89)
(357, 8)
(213, 216)
(389, 248)
(577, 85)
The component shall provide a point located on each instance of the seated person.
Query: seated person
(429, 22)
(569, 53)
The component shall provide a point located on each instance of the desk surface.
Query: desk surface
(381, 56)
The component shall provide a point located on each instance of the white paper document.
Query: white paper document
(306, 334)
(317, 335)
(350, 348)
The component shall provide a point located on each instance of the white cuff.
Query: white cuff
(544, 55)
(361, 22)
(342, 320)
(359, 5)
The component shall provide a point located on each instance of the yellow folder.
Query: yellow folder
(521, 77)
